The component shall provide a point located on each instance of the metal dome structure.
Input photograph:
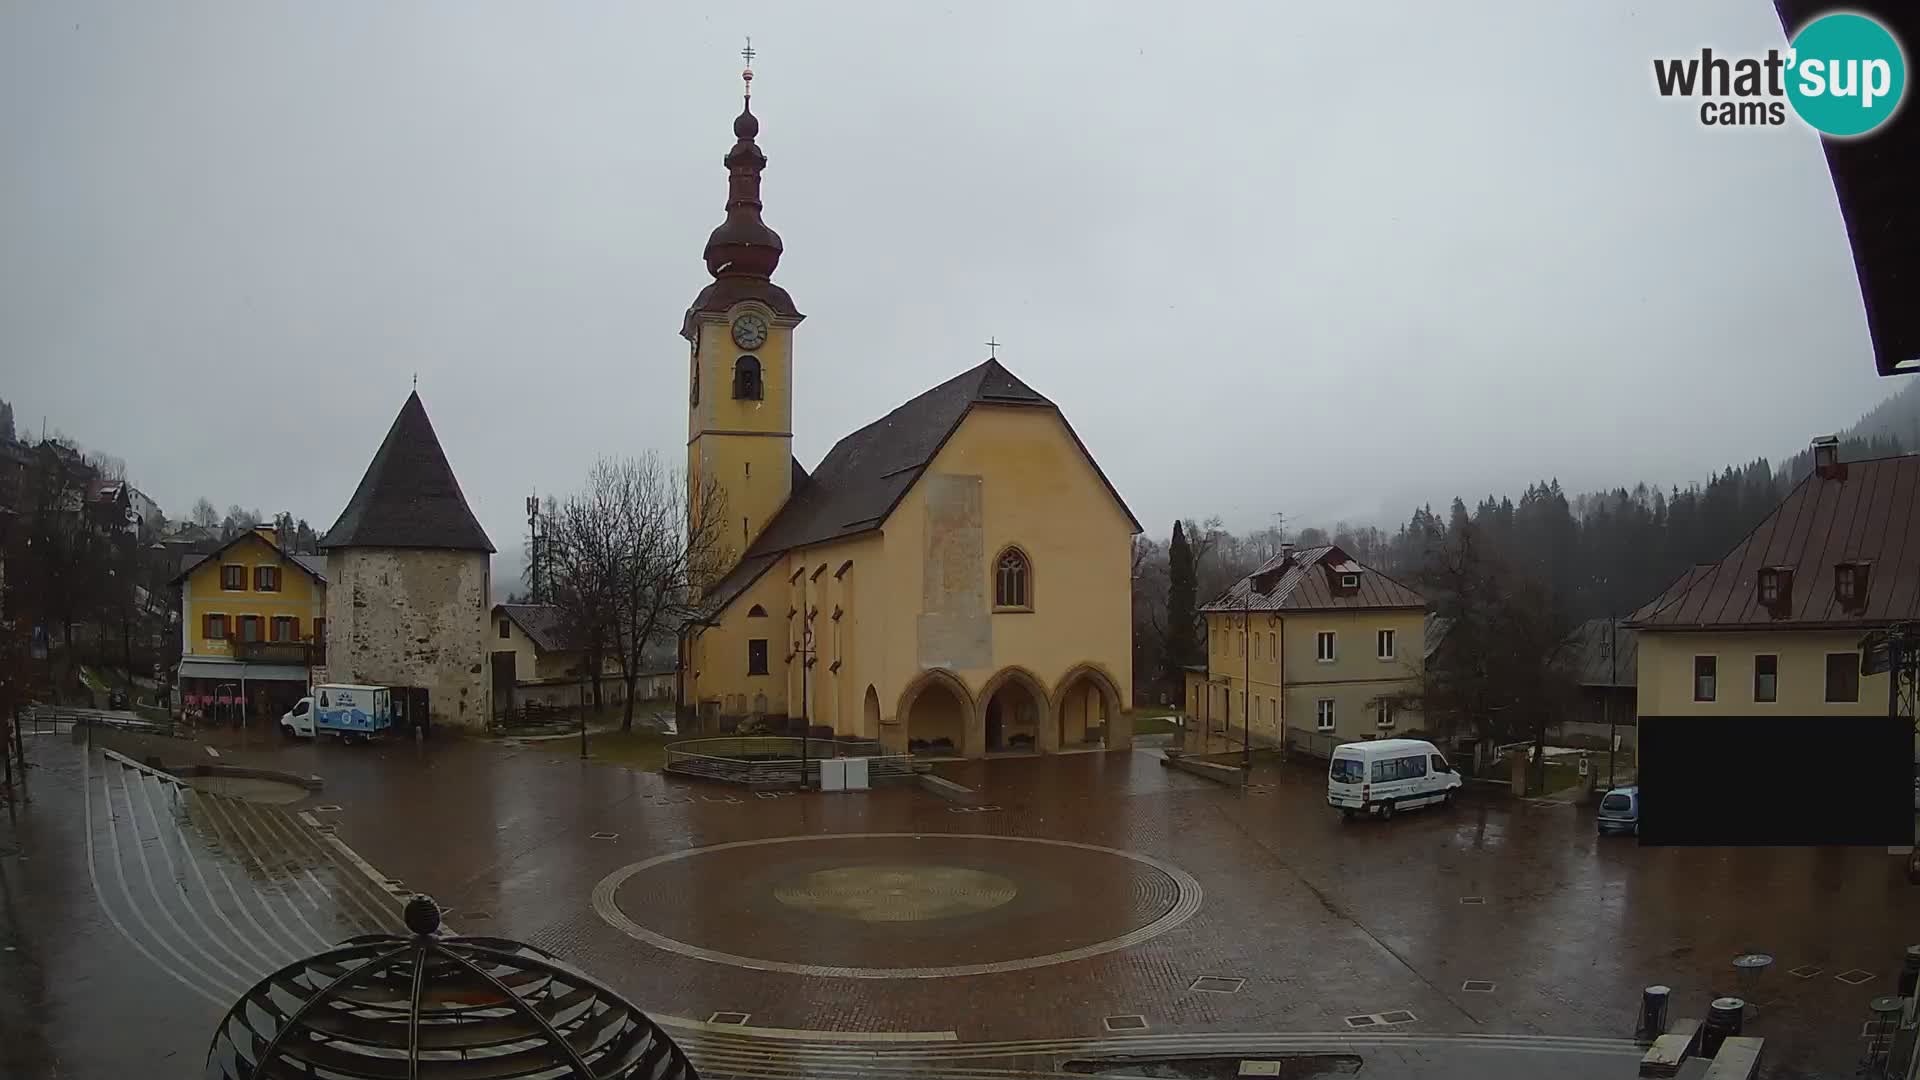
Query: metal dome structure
(395, 1007)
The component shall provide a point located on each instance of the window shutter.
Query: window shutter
(206, 626)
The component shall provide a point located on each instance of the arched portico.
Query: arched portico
(935, 711)
(1013, 713)
(1087, 709)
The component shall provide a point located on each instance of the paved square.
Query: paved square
(1102, 886)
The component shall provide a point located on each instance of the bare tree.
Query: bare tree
(238, 520)
(626, 555)
(204, 513)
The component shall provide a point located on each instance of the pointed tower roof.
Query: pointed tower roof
(408, 498)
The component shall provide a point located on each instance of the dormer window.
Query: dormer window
(1776, 589)
(746, 379)
(1850, 583)
(1349, 581)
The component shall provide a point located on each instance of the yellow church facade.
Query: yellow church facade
(953, 579)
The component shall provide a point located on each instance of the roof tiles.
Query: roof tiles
(1304, 580)
(408, 497)
(1868, 516)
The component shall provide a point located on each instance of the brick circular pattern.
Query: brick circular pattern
(897, 893)
(933, 905)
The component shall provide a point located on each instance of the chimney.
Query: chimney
(1826, 458)
(1286, 554)
(265, 532)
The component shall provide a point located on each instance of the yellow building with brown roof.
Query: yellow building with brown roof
(953, 578)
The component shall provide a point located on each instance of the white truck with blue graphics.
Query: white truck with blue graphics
(351, 712)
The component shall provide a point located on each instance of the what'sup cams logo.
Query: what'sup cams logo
(1843, 74)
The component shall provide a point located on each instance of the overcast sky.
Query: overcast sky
(1331, 260)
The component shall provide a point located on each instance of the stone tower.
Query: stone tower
(409, 578)
(740, 330)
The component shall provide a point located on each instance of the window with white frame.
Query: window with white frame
(1383, 644)
(1323, 714)
(1383, 713)
(1324, 646)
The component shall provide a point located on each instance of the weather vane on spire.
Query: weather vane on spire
(746, 76)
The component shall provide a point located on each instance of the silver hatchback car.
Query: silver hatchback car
(1620, 811)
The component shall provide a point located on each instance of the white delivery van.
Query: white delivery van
(1386, 775)
(299, 719)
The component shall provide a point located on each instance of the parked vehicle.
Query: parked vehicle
(299, 719)
(1619, 811)
(352, 712)
(1385, 776)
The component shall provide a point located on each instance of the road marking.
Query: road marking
(1217, 984)
(1189, 894)
(211, 752)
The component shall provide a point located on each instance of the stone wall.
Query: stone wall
(412, 617)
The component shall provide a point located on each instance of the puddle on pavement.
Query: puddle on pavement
(249, 789)
(1291, 1066)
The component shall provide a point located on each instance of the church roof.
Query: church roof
(867, 473)
(408, 497)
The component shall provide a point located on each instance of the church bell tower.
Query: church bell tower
(740, 333)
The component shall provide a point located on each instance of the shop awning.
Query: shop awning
(236, 670)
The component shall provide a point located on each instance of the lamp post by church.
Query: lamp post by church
(805, 653)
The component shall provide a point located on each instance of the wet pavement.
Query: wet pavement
(1091, 904)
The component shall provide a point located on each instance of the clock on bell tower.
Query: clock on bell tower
(740, 333)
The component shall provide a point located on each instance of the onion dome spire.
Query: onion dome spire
(743, 245)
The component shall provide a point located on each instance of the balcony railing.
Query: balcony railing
(281, 652)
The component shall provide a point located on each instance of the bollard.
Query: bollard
(1723, 1019)
(1653, 1013)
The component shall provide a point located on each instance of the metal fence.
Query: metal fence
(776, 760)
(51, 719)
(1317, 744)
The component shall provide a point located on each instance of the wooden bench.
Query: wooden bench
(1663, 1058)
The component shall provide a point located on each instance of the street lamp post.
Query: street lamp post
(805, 652)
(1613, 680)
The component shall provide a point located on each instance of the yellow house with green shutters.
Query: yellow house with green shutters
(1311, 650)
(252, 624)
(954, 578)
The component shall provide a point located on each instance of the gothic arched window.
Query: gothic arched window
(1012, 580)
(746, 379)
(756, 612)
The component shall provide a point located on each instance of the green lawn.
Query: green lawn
(1161, 721)
(642, 750)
